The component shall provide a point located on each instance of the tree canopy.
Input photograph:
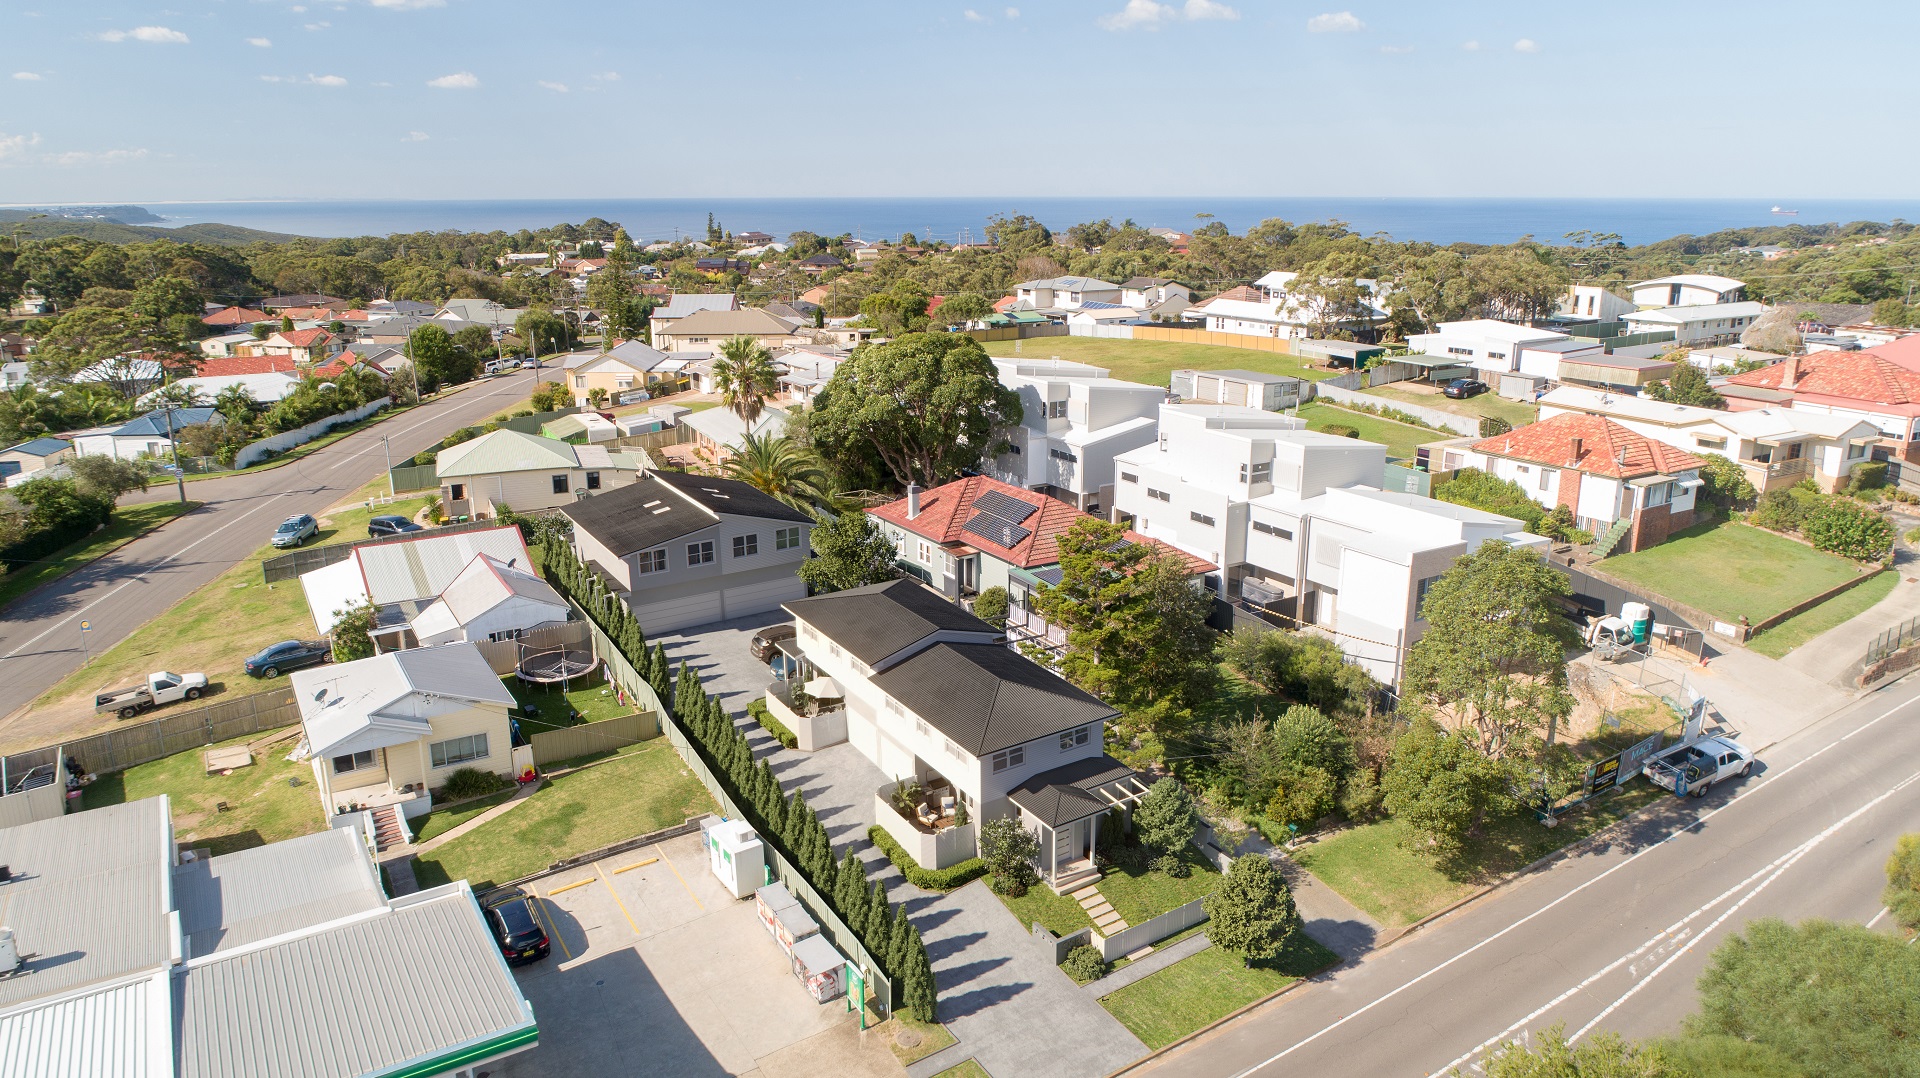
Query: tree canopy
(925, 406)
(849, 551)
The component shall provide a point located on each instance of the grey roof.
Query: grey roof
(1147, 282)
(666, 505)
(1069, 284)
(879, 620)
(682, 304)
(40, 447)
(155, 423)
(1255, 377)
(114, 1031)
(87, 900)
(1071, 791)
(424, 565)
(987, 697)
(409, 985)
(240, 898)
(745, 321)
(732, 496)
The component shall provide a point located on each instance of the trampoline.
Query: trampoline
(553, 666)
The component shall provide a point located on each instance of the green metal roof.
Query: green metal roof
(505, 451)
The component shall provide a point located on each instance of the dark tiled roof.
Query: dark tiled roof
(731, 496)
(667, 505)
(880, 619)
(1067, 792)
(987, 697)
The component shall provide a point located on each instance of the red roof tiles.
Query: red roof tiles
(216, 368)
(1589, 443)
(238, 316)
(1872, 375)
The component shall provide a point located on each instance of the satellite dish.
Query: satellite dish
(320, 696)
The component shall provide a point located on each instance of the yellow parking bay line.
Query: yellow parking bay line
(636, 864)
(553, 927)
(569, 887)
(616, 900)
(682, 879)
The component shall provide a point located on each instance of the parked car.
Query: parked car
(767, 641)
(515, 928)
(276, 659)
(296, 530)
(1462, 388)
(161, 687)
(379, 527)
(1689, 770)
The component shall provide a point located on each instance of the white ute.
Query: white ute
(1689, 770)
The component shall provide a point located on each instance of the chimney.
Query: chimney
(1573, 456)
(1791, 374)
(913, 500)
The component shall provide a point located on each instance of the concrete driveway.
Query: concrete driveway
(719, 652)
(657, 970)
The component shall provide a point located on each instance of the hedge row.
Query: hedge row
(927, 879)
(786, 737)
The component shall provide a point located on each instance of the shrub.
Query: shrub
(786, 737)
(991, 607)
(1167, 822)
(1084, 964)
(1009, 850)
(1303, 796)
(1484, 490)
(1491, 425)
(1727, 482)
(1360, 795)
(1868, 475)
(1903, 882)
(1341, 430)
(1848, 529)
(927, 879)
(468, 782)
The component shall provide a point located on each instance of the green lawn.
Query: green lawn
(1732, 570)
(1376, 869)
(263, 803)
(440, 821)
(1400, 439)
(966, 1068)
(1142, 896)
(1153, 362)
(1198, 991)
(129, 522)
(1800, 628)
(932, 1035)
(1057, 913)
(556, 709)
(1518, 413)
(643, 790)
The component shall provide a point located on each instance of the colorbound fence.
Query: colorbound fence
(143, 742)
(573, 742)
(503, 656)
(1134, 937)
(410, 477)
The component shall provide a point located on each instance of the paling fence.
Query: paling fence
(143, 742)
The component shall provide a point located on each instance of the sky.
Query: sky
(102, 100)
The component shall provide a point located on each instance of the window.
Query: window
(559, 484)
(1013, 449)
(1200, 518)
(1071, 738)
(579, 381)
(505, 634)
(1061, 454)
(1856, 451)
(1704, 442)
(457, 492)
(354, 761)
(1452, 351)
(926, 553)
(786, 538)
(700, 553)
(460, 750)
(921, 727)
(894, 706)
(1129, 477)
(1012, 757)
(1420, 594)
(652, 561)
(1160, 495)
(1546, 478)
(746, 546)
(1056, 409)
(1271, 529)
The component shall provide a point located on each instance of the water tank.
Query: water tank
(1640, 616)
(9, 953)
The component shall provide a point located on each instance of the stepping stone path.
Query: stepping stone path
(1105, 918)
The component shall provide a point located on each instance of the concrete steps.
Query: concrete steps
(1105, 917)
(386, 829)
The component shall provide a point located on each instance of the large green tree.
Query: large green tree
(437, 360)
(1301, 666)
(1686, 385)
(926, 405)
(1167, 821)
(115, 346)
(1251, 912)
(1439, 787)
(849, 551)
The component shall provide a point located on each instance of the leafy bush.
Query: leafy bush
(468, 782)
(1727, 482)
(1341, 430)
(927, 879)
(1848, 529)
(991, 607)
(1491, 425)
(1868, 475)
(1360, 795)
(1303, 796)
(1484, 490)
(1903, 882)
(1009, 850)
(1084, 964)
(1785, 510)
(786, 737)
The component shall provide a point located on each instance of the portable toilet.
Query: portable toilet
(1640, 616)
(736, 856)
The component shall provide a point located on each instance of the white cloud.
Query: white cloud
(1396, 50)
(607, 76)
(1203, 10)
(1471, 46)
(974, 16)
(152, 35)
(260, 42)
(278, 78)
(415, 136)
(87, 157)
(1335, 22)
(326, 80)
(1145, 13)
(27, 76)
(314, 26)
(556, 87)
(1526, 44)
(459, 80)
(13, 145)
(1013, 13)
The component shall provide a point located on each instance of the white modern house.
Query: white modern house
(683, 549)
(1595, 302)
(933, 697)
(1269, 392)
(1687, 290)
(489, 600)
(1074, 419)
(1716, 323)
(1159, 297)
(1065, 293)
(1493, 347)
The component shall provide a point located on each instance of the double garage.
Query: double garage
(708, 605)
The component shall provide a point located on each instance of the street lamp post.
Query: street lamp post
(179, 475)
(388, 450)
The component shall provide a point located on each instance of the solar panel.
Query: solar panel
(1005, 506)
(994, 530)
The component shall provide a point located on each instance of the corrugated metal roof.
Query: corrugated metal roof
(121, 1031)
(357, 999)
(87, 901)
(422, 568)
(240, 898)
(484, 584)
(504, 451)
(360, 705)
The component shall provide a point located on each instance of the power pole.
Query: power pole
(179, 476)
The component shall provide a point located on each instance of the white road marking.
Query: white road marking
(1765, 781)
(1884, 910)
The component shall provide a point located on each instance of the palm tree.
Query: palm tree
(782, 467)
(744, 372)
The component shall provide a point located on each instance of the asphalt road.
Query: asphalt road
(40, 639)
(1615, 937)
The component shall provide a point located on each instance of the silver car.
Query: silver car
(296, 530)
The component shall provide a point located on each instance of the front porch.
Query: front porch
(1065, 806)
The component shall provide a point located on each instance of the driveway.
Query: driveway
(719, 652)
(657, 970)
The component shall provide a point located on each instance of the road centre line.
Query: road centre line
(1766, 781)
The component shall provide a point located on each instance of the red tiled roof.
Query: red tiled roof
(305, 338)
(933, 303)
(1004, 304)
(1904, 352)
(238, 316)
(1245, 293)
(1870, 375)
(945, 510)
(215, 368)
(1605, 448)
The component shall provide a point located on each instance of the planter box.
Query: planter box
(811, 731)
(944, 850)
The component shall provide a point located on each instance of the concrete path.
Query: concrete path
(1339, 925)
(1148, 966)
(1834, 656)
(519, 798)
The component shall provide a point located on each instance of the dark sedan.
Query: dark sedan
(276, 659)
(1462, 388)
(516, 929)
(380, 527)
(767, 641)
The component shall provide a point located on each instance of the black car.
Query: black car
(516, 929)
(276, 659)
(1462, 388)
(380, 527)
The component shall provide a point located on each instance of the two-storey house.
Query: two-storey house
(1687, 290)
(1074, 419)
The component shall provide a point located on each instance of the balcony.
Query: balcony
(931, 835)
(1025, 626)
(1766, 476)
(815, 723)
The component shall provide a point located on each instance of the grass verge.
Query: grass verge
(932, 1037)
(1518, 413)
(1153, 362)
(1733, 570)
(641, 791)
(966, 1068)
(306, 449)
(1141, 895)
(1204, 988)
(1802, 627)
(129, 522)
(273, 800)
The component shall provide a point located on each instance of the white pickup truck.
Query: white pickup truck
(1688, 770)
(161, 687)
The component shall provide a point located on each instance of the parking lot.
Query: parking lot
(657, 970)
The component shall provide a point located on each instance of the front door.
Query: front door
(969, 570)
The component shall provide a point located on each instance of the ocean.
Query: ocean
(1437, 220)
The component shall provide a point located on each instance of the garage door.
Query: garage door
(698, 609)
(1235, 392)
(762, 597)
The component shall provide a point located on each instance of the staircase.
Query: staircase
(1612, 539)
(1106, 920)
(387, 830)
